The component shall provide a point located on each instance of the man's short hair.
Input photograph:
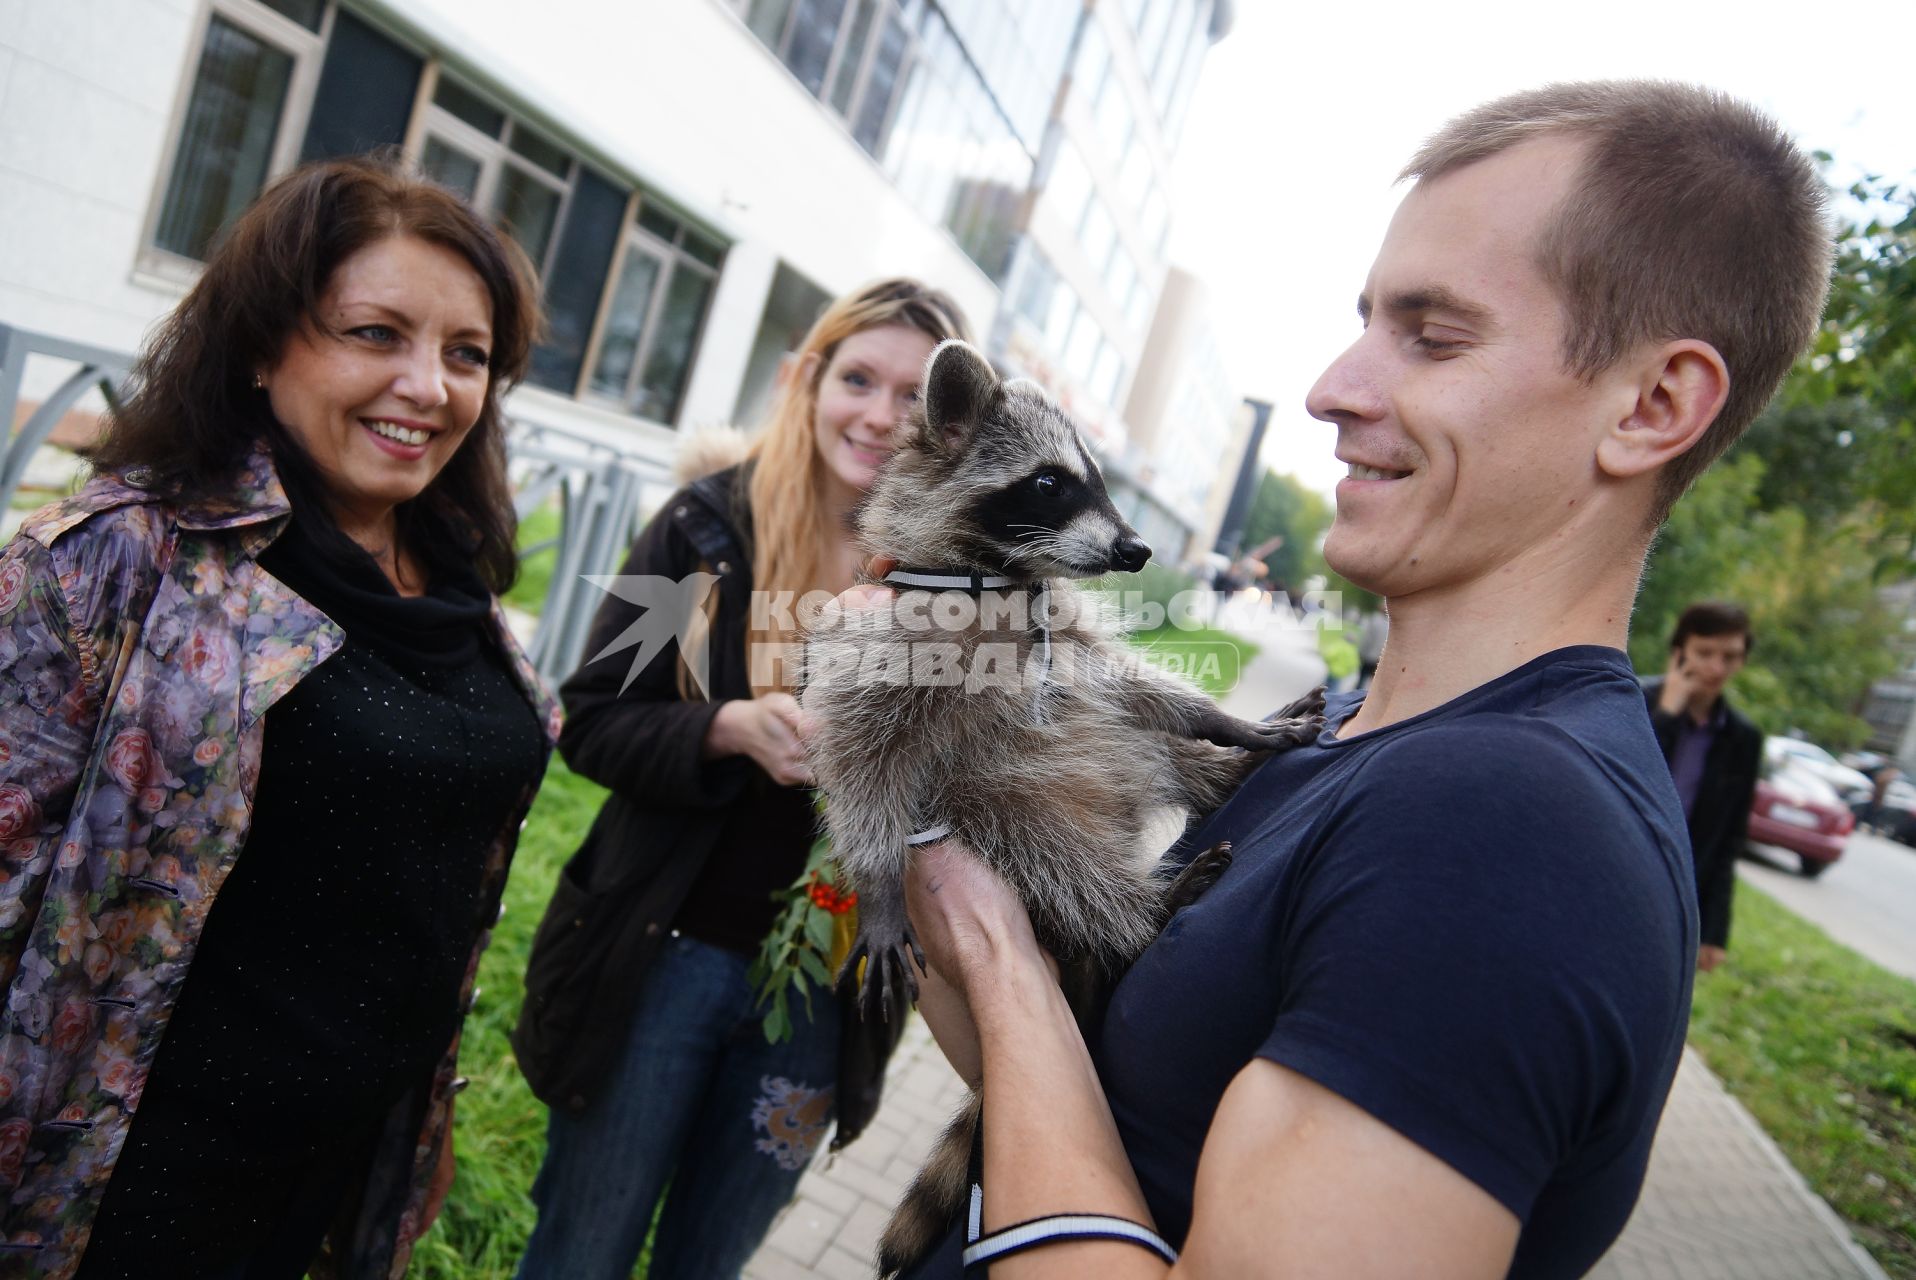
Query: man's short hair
(1713, 618)
(1694, 216)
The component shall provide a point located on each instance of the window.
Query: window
(1107, 374)
(1081, 351)
(503, 166)
(1059, 318)
(1178, 96)
(950, 99)
(1098, 236)
(1113, 113)
(1137, 308)
(241, 123)
(1134, 177)
(1069, 187)
(653, 317)
(1122, 279)
(1156, 220)
(1094, 61)
(1152, 31)
(849, 54)
(1037, 282)
(872, 123)
(812, 39)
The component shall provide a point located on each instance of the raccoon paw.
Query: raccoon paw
(1311, 704)
(889, 982)
(1264, 735)
(1198, 875)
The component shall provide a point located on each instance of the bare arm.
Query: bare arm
(1293, 1181)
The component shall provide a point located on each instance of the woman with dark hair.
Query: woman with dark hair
(265, 745)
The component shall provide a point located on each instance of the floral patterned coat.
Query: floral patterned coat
(141, 645)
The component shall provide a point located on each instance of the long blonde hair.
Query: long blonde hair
(793, 535)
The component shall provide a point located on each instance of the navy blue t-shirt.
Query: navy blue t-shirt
(1477, 924)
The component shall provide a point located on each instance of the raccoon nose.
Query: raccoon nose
(1129, 554)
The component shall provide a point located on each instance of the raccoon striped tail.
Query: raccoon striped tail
(936, 1197)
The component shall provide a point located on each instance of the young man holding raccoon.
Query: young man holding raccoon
(1425, 1023)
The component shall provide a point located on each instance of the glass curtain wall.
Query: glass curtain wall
(951, 99)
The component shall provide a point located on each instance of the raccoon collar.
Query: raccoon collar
(949, 580)
(975, 582)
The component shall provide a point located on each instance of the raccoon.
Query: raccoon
(989, 705)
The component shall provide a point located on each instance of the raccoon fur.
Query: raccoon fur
(1027, 734)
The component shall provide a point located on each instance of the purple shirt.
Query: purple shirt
(1693, 742)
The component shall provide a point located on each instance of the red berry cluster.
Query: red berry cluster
(824, 895)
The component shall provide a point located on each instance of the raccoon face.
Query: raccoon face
(992, 475)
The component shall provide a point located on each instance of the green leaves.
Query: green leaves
(1815, 509)
(796, 955)
(1822, 635)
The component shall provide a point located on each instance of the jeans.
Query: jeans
(700, 1100)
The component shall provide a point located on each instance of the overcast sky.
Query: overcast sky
(1305, 112)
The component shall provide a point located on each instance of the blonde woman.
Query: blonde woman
(640, 1029)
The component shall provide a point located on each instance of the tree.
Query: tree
(1842, 436)
(1284, 507)
(1809, 585)
(1816, 506)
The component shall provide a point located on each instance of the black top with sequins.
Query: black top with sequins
(327, 979)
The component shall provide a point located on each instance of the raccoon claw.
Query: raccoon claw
(1311, 704)
(1198, 875)
(889, 982)
(1292, 731)
(1263, 735)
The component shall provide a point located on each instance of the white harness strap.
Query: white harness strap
(1041, 607)
(947, 581)
(1041, 610)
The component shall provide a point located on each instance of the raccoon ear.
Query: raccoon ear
(959, 385)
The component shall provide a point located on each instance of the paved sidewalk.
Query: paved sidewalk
(1720, 1202)
(844, 1201)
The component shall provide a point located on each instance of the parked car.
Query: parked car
(1796, 810)
(1846, 780)
(1864, 761)
(1898, 818)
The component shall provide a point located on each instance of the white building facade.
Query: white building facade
(694, 178)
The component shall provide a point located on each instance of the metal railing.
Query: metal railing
(100, 369)
(599, 481)
(599, 485)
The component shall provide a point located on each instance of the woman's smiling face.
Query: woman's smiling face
(383, 399)
(868, 388)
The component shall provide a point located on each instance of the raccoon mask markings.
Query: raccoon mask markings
(1053, 521)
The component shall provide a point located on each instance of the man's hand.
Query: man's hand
(1678, 688)
(1709, 957)
(767, 730)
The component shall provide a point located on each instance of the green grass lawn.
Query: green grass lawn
(1211, 657)
(535, 571)
(1820, 1045)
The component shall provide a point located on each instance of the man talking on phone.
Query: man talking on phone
(1713, 753)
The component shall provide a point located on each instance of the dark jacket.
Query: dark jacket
(1721, 814)
(142, 647)
(616, 899)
